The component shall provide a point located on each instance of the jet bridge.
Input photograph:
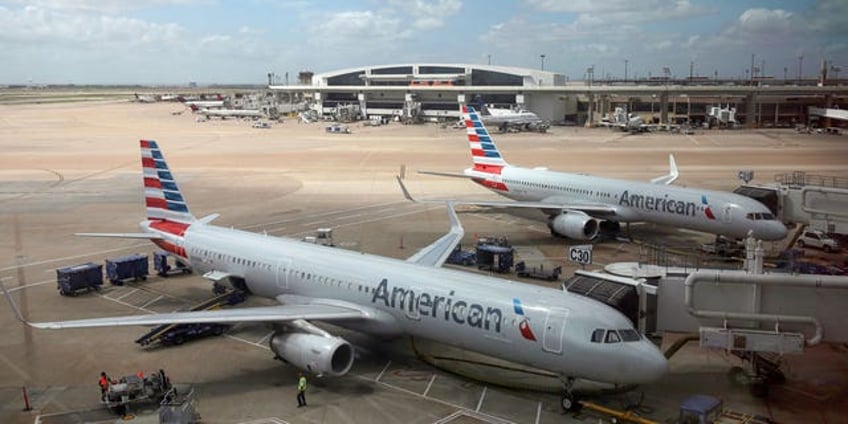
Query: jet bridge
(808, 199)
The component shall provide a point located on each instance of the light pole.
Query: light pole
(625, 70)
(800, 61)
(490, 59)
(542, 57)
(784, 73)
(590, 73)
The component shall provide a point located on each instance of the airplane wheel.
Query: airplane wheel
(568, 403)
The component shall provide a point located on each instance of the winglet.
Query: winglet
(437, 253)
(672, 173)
(405, 191)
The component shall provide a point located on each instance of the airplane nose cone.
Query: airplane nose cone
(654, 365)
(774, 231)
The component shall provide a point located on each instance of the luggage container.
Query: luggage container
(124, 268)
(73, 279)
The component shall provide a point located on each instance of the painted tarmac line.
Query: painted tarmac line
(430, 384)
(383, 371)
(127, 294)
(152, 302)
(266, 337)
(47, 261)
(482, 396)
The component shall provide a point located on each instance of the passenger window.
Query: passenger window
(612, 337)
(598, 336)
(629, 335)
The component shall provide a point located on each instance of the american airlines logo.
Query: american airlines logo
(434, 306)
(663, 204)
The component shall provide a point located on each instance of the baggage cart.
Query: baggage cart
(85, 277)
(128, 267)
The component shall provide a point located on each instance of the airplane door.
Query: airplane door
(554, 329)
(727, 214)
(283, 268)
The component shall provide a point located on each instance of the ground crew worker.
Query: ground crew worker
(104, 384)
(140, 375)
(301, 390)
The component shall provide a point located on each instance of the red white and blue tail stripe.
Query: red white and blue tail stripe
(484, 153)
(161, 194)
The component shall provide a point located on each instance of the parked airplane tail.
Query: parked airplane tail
(484, 153)
(162, 197)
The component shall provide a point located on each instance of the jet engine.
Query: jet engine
(321, 355)
(574, 225)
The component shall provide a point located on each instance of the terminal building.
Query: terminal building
(435, 91)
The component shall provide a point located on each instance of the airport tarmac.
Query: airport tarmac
(74, 167)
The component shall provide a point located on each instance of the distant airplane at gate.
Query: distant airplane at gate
(570, 336)
(576, 203)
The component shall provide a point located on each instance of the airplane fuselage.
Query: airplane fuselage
(541, 327)
(715, 212)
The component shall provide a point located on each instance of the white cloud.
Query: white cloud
(428, 14)
(362, 31)
(612, 12)
(34, 25)
(104, 6)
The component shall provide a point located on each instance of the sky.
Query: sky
(230, 42)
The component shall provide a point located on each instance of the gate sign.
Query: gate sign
(581, 254)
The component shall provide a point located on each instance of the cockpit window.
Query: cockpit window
(612, 337)
(598, 335)
(760, 216)
(629, 335)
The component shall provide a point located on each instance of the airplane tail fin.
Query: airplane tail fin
(161, 194)
(484, 153)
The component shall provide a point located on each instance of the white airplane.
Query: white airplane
(577, 203)
(627, 122)
(508, 118)
(572, 336)
(231, 113)
(196, 105)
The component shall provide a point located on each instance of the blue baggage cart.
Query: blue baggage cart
(70, 280)
(128, 267)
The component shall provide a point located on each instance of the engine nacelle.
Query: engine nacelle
(332, 356)
(575, 225)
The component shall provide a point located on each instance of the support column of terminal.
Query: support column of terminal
(363, 104)
(590, 111)
(751, 111)
(664, 108)
(828, 103)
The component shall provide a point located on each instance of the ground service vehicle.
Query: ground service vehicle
(71, 280)
(817, 239)
(126, 267)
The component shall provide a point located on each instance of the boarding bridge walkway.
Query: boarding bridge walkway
(829, 113)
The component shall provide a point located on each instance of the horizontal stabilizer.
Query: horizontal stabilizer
(145, 236)
(445, 174)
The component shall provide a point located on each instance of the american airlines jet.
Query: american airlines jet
(577, 203)
(569, 335)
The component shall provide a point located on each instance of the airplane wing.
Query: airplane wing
(277, 313)
(590, 208)
(437, 252)
(672, 173)
(146, 236)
